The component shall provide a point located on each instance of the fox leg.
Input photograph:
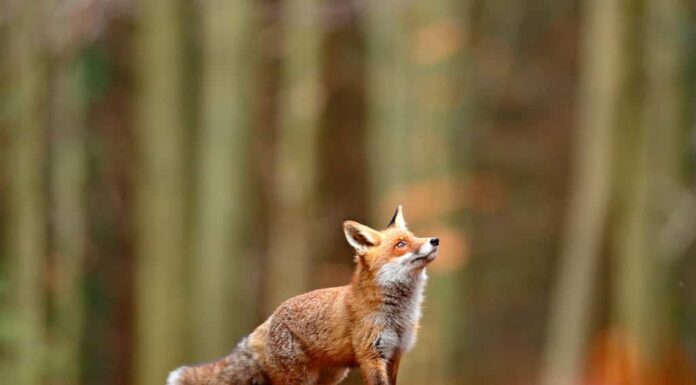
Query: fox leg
(374, 372)
(331, 376)
(393, 367)
(286, 359)
(286, 370)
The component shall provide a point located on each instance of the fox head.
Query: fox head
(393, 254)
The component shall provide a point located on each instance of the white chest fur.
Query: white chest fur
(400, 314)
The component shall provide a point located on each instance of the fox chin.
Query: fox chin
(316, 337)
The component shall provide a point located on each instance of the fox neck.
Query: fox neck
(370, 287)
(394, 304)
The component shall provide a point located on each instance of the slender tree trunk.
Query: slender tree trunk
(218, 247)
(160, 185)
(23, 160)
(665, 55)
(291, 250)
(652, 126)
(390, 130)
(388, 82)
(266, 78)
(635, 298)
(571, 304)
(438, 50)
(667, 107)
(342, 181)
(68, 227)
(631, 240)
(423, 45)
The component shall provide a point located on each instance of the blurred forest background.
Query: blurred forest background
(172, 170)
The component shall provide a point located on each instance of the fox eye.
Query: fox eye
(400, 244)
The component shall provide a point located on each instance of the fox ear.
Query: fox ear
(398, 220)
(360, 236)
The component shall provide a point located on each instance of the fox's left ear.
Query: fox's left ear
(398, 220)
(360, 236)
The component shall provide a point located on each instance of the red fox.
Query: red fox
(316, 337)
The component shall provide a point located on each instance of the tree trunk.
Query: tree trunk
(633, 257)
(388, 94)
(292, 250)
(570, 313)
(438, 49)
(160, 186)
(218, 257)
(68, 226)
(652, 126)
(424, 46)
(23, 161)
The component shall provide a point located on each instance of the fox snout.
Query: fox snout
(429, 246)
(427, 251)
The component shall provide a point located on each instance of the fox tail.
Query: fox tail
(241, 367)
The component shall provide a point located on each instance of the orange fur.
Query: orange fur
(314, 338)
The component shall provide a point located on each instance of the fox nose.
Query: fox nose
(434, 241)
